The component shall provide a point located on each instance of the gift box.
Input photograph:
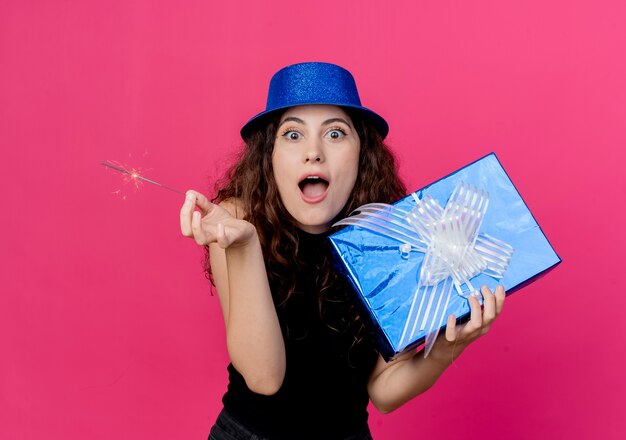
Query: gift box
(415, 262)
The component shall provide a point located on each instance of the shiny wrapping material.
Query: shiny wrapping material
(385, 280)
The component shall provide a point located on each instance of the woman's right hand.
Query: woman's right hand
(253, 335)
(213, 223)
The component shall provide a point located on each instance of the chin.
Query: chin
(319, 219)
(314, 228)
(315, 225)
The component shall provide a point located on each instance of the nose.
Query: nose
(313, 158)
(313, 153)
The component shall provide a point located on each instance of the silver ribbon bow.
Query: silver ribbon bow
(455, 251)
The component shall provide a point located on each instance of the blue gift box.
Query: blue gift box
(385, 271)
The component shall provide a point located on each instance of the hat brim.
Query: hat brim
(262, 118)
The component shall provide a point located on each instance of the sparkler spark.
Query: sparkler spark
(135, 177)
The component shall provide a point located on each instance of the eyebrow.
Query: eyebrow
(292, 118)
(326, 122)
(330, 121)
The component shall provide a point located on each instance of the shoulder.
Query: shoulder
(234, 206)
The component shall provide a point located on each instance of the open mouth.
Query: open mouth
(313, 187)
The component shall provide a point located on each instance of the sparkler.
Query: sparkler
(134, 175)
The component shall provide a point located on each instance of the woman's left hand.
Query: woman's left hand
(457, 337)
(394, 383)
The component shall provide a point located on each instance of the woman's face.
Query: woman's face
(315, 162)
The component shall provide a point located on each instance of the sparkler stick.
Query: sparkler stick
(135, 175)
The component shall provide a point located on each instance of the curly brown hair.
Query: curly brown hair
(251, 182)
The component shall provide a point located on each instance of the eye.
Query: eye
(336, 133)
(291, 134)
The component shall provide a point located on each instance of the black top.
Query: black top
(324, 393)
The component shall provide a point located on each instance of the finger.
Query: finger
(476, 319)
(202, 202)
(500, 297)
(451, 329)
(489, 306)
(186, 212)
(196, 228)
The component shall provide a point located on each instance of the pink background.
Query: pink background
(107, 325)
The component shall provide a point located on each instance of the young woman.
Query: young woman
(302, 365)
